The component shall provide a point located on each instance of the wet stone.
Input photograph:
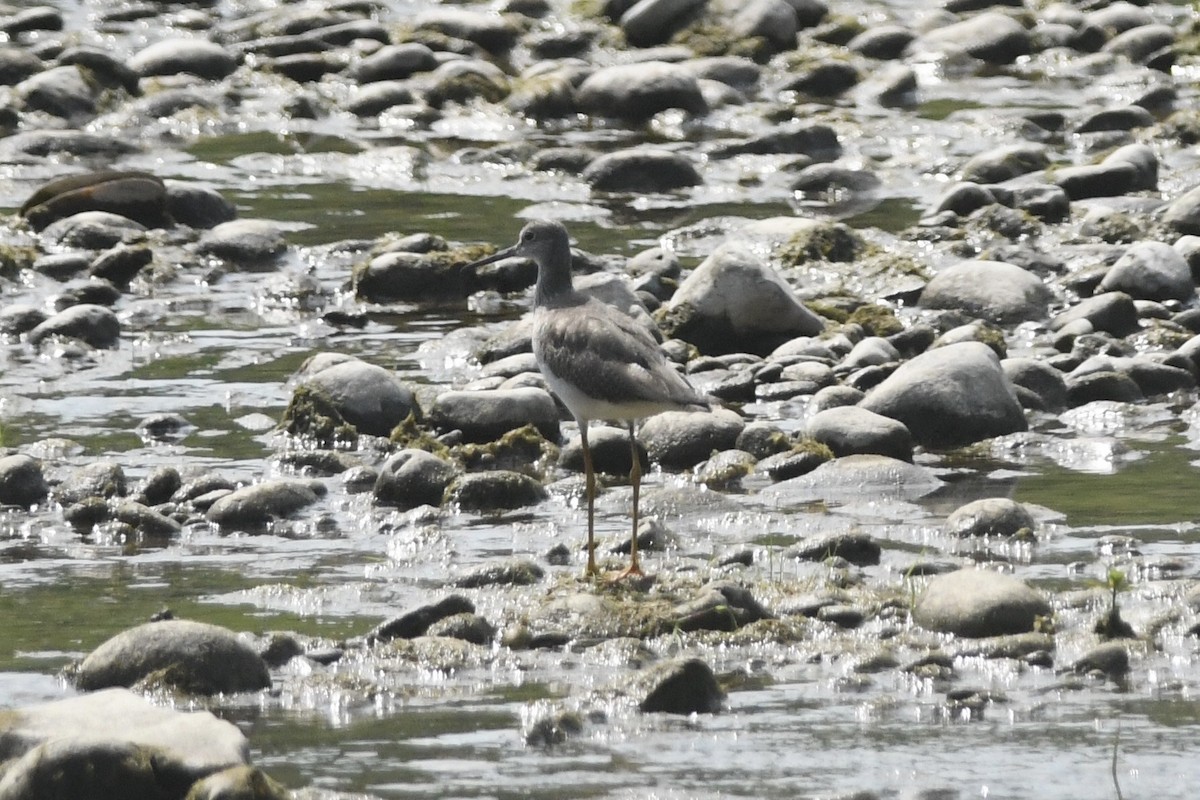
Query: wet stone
(992, 290)
(197, 206)
(416, 622)
(510, 573)
(679, 687)
(412, 478)
(194, 657)
(136, 196)
(105, 479)
(641, 169)
(979, 603)
(238, 782)
(639, 91)
(93, 230)
(495, 490)
(991, 516)
(58, 91)
(21, 481)
(253, 507)
(198, 57)
(682, 439)
(243, 242)
(466, 626)
(366, 396)
(859, 549)
(719, 606)
(850, 430)
(71, 748)
(483, 416)
(651, 22)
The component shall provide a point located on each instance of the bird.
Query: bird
(600, 362)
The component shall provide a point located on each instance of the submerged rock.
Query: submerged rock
(417, 622)
(193, 657)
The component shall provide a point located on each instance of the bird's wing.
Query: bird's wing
(610, 353)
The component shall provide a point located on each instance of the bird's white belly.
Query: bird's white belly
(584, 407)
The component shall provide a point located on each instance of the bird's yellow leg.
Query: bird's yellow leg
(635, 478)
(590, 489)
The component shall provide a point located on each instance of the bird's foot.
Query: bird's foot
(632, 574)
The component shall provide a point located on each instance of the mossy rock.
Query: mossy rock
(876, 320)
(14, 258)
(410, 435)
(519, 450)
(834, 242)
(312, 415)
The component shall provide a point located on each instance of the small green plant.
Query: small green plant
(1111, 625)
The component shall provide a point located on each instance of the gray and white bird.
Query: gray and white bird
(600, 362)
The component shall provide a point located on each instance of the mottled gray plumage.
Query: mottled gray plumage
(600, 362)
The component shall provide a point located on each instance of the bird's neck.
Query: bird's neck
(554, 287)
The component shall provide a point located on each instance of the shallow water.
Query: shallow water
(803, 720)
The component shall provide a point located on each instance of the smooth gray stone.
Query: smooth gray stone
(679, 687)
(950, 396)
(639, 91)
(484, 416)
(252, 507)
(22, 482)
(651, 22)
(1151, 270)
(989, 516)
(992, 290)
(641, 169)
(194, 56)
(195, 656)
(95, 325)
(850, 430)
(976, 603)
(369, 397)
(112, 744)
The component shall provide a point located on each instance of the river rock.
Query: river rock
(1110, 658)
(639, 91)
(950, 396)
(1144, 162)
(486, 415)
(850, 430)
(1150, 271)
(94, 325)
(992, 290)
(989, 516)
(493, 32)
(641, 169)
(679, 687)
(194, 657)
(734, 301)
(718, 606)
(517, 572)
(244, 242)
(1183, 213)
(1111, 312)
(1099, 385)
(417, 622)
(252, 507)
(60, 92)
(977, 603)
(194, 56)
(238, 783)
(413, 478)
(859, 549)
(651, 22)
(104, 479)
(1038, 378)
(1109, 179)
(93, 230)
(611, 453)
(494, 490)
(394, 62)
(884, 42)
(367, 396)
(682, 439)
(772, 20)
(112, 744)
(137, 196)
(993, 37)
(21, 481)
(850, 478)
(1003, 163)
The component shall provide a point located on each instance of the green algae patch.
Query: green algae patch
(836, 242)
(313, 416)
(522, 449)
(409, 434)
(14, 258)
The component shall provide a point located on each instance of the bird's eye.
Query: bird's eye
(527, 236)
